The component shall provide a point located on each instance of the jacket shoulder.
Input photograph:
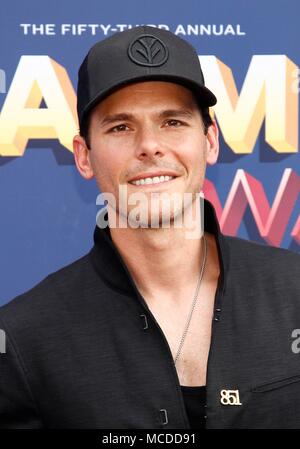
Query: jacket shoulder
(263, 257)
(52, 293)
(257, 248)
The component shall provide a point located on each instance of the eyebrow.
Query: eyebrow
(112, 118)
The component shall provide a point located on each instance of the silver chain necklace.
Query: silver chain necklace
(194, 301)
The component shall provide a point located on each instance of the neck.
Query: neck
(163, 262)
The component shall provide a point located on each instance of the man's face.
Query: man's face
(148, 130)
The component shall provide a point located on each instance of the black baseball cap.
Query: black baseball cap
(138, 54)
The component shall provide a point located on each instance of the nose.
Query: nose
(148, 143)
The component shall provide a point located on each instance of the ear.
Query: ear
(212, 142)
(82, 157)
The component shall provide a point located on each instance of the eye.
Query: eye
(119, 128)
(174, 123)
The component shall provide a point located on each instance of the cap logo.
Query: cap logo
(148, 50)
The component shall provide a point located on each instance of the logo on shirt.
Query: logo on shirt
(230, 397)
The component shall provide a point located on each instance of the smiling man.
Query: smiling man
(142, 132)
(145, 131)
(152, 328)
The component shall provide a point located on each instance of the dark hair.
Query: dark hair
(84, 129)
(85, 125)
(206, 118)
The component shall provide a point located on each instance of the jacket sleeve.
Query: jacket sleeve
(17, 407)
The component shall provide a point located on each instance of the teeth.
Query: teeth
(155, 180)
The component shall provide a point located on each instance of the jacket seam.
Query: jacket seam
(275, 384)
(23, 368)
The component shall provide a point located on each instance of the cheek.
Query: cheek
(107, 168)
(195, 159)
(193, 153)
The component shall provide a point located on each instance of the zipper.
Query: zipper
(217, 304)
(183, 409)
(217, 308)
(173, 367)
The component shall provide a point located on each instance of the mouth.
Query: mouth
(153, 180)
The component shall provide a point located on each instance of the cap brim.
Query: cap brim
(204, 96)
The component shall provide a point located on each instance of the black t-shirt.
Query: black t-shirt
(195, 401)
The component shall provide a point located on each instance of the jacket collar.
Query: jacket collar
(111, 267)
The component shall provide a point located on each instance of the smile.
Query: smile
(154, 180)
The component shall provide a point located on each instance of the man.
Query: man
(154, 328)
